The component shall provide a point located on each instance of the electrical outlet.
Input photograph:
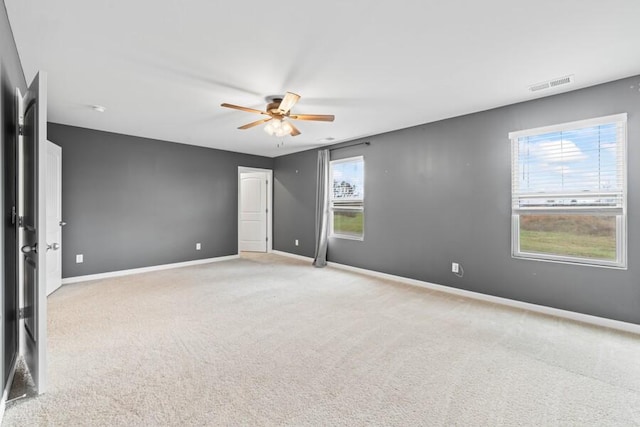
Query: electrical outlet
(297, 243)
(79, 259)
(198, 246)
(455, 267)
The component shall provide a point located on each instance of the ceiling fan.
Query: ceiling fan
(278, 109)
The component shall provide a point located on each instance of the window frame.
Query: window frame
(356, 205)
(620, 213)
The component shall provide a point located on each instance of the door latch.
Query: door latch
(27, 249)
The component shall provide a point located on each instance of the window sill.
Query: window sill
(346, 237)
(570, 261)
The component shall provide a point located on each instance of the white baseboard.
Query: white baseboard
(565, 314)
(290, 255)
(119, 273)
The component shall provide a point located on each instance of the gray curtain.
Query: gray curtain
(322, 209)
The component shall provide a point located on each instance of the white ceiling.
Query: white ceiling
(162, 68)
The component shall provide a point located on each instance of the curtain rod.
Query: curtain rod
(350, 145)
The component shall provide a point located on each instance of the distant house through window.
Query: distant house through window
(347, 198)
(569, 192)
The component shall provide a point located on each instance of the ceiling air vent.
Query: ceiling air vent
(551, 83)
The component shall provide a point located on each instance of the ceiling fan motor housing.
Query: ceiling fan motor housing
(273, 106)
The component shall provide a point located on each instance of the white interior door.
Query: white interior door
(54, 217)
(253, 212)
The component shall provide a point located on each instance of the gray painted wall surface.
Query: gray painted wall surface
(11, 77)
(294, 199)
(440, 192)
(132, 202)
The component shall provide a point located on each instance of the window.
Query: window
(569, 190)
(347, 198)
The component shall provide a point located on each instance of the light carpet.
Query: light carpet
(266, 340)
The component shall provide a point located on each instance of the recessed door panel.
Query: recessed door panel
(29, 221)
(253, 212)
(252, 188)
(30, 278)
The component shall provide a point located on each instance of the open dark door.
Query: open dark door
(33, 244)
(9, 96)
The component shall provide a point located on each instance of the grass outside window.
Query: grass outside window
(348, 223)
(582, 236)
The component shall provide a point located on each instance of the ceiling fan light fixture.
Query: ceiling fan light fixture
(277, 127)
(286, 127)
(269, 128)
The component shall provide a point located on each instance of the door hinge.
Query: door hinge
(267, 238)
(13, 215)
(20, 221)
(20, 129)
(20, 313)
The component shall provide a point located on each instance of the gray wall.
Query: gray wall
(440, 192)
(294, 200)
(132, 202)
(11, 77)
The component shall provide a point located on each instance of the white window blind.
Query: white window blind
(579, 166)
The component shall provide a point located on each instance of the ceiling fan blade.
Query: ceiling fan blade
(248, 110)
(316, 117)
(294, 130)
(287, 102)
(256, 123)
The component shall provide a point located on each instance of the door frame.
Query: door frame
(269, 172)
(59, 222)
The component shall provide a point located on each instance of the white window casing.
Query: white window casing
(344, 199)
(576, 168)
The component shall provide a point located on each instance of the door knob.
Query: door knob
(55, 246)
(62, 223)
(28, 249)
